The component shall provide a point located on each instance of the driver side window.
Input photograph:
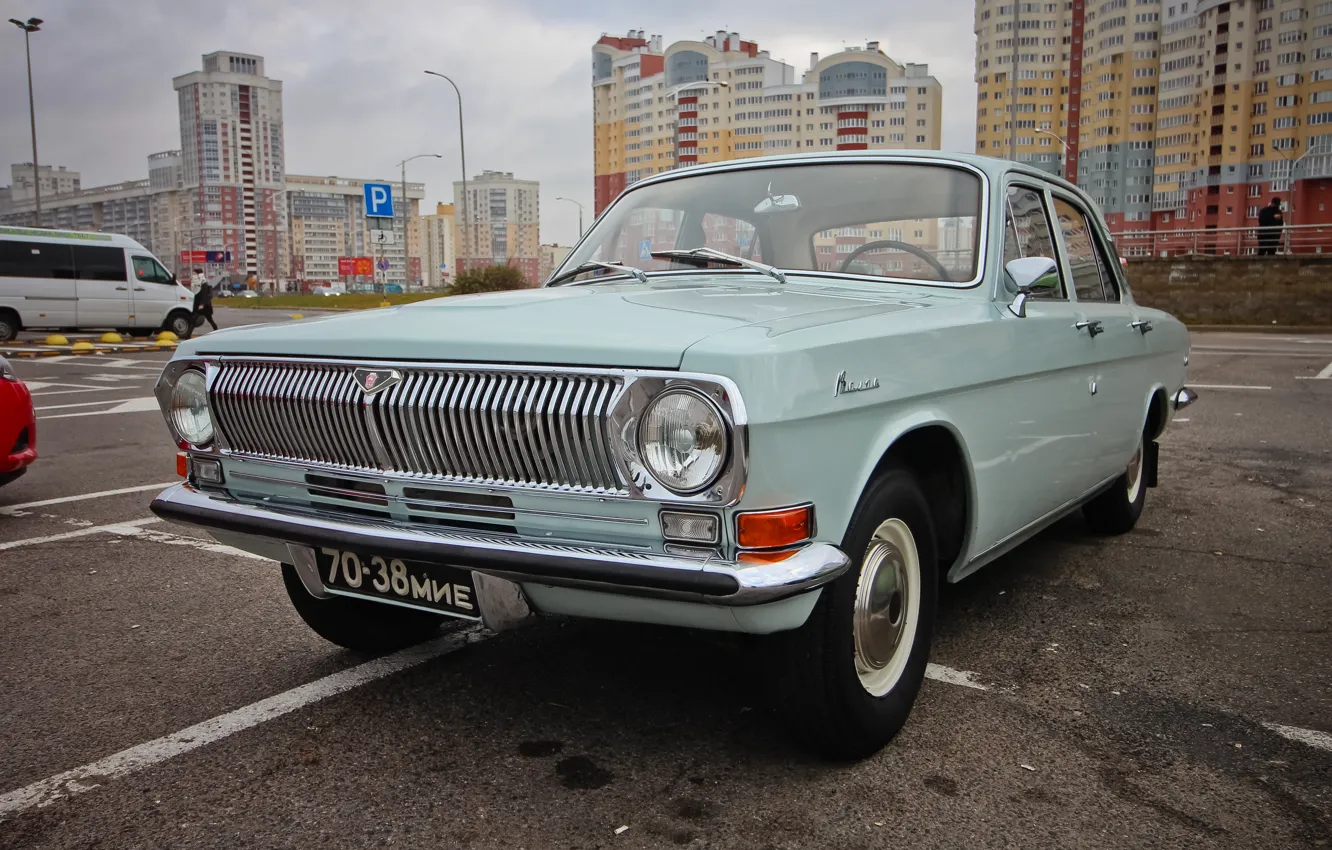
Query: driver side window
(147, 270)
(1027, 232)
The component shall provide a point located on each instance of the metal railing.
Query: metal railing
(1299, 239)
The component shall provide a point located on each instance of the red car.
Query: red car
(18, 425)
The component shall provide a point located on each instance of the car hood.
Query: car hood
(633, 325)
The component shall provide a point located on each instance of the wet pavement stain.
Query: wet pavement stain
(582, 774)
(539, 749)
(941, 785)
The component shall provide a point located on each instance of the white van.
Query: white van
(68, 279)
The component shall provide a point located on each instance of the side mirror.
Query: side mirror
(1030, 276)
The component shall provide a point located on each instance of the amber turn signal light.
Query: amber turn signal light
(182, 465)
(772, 529)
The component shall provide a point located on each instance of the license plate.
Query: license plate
(448, 590)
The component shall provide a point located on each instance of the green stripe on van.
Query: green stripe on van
(54, 234)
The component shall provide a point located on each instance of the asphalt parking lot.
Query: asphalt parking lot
(1168, 688)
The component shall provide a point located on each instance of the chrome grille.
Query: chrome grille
(480, 425)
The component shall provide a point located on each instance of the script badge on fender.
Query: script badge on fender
(372, 381)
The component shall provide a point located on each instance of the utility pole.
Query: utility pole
(405, 209)
(462, 152)
(30, 26)
(580, 214)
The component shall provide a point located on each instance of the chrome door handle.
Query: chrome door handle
(140, 289)
(1141, 325)
(1093, 326)
(122, 289)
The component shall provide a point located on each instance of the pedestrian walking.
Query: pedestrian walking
(1270, 223)
(197, 281)
(203, 306)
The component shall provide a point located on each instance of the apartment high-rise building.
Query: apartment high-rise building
(551, 256)
(232, 141)
(723, 98)
(55, 180)
(1181, 114)
(439, 246)
(327, 221)
(499, 223)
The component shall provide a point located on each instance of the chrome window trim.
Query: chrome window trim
(982, 221)
(637, 388)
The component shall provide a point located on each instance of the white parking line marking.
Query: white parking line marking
(47, 791)
(82, 532)
(79, 390)
(1318, 740)
(36, 387)
(1225, 387)
(134, 405)
(1325, 374)
(949, 676)
(100, 494)
(101, 362)
(181, 540)
(84, 404)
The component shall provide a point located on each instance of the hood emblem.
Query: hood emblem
(372, 381)
(845, 386)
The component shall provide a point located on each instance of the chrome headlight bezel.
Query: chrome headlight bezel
(165, 391)
(641, 391)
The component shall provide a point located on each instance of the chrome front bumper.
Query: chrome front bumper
(517, 559)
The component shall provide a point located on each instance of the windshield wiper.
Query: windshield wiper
(707, 255)
(591, 265)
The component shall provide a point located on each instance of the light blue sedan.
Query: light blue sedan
(785, 396)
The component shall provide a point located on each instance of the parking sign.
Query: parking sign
(378, 200)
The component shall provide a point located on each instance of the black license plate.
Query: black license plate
(448, 590)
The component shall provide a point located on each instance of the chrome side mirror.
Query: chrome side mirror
(1029, 276)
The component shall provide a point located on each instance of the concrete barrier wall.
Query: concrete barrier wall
(1234, 291)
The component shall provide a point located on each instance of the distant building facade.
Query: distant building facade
(327, 221)
(551, 257)
(499, 223)
(439, 246)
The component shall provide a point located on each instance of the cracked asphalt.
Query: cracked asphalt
(1137, 687)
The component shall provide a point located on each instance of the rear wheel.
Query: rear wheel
(9, 325)
(1117, 510)
(357, 625)
(180, 323)
(850, 675)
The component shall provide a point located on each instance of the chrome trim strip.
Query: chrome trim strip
(360, 496)
(518, 559)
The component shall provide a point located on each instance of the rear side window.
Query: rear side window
(96, 263)
(35, 259)
(1085, 260)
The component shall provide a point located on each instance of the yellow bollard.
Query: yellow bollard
(385, 303)
(82, 347)
(297, 315)
(167, 336)
(112, 337)
(56, 339)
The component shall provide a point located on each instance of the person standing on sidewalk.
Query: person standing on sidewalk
(1270, 222)
(203, 306)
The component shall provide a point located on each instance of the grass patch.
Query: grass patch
(353, 301)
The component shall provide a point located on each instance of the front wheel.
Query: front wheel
(1117, 510)
(181, 324)
(357, 625)
(9, 325)
(850, 675)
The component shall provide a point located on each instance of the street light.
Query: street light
(1061, 141)
(406, 207)
(30, 26)
(580, 214)
(674, 92)
(462, 152)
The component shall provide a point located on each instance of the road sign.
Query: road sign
(645, 249)
(381, 237)
(378, 200)
(383, 265)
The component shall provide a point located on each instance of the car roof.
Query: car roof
(73, 237)
(993, 167)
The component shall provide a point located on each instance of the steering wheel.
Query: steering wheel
(904, 246)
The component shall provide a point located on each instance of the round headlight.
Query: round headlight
(190, 416)
(682, 438)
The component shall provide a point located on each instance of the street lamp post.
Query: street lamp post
(1063, 163)
(462, 152)
(406, 207)
(674, 93)
(580, 214)
(30, 26)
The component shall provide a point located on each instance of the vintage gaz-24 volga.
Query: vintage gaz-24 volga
(785, 396)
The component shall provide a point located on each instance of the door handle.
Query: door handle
(140, 289)
(1093, 326)
(122, 289)
(1141, 325)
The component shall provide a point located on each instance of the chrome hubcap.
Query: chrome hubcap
(887, 607)
(1135, 474)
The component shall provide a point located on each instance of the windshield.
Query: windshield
(913, 222)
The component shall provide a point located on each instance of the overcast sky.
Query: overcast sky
(357, 102)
